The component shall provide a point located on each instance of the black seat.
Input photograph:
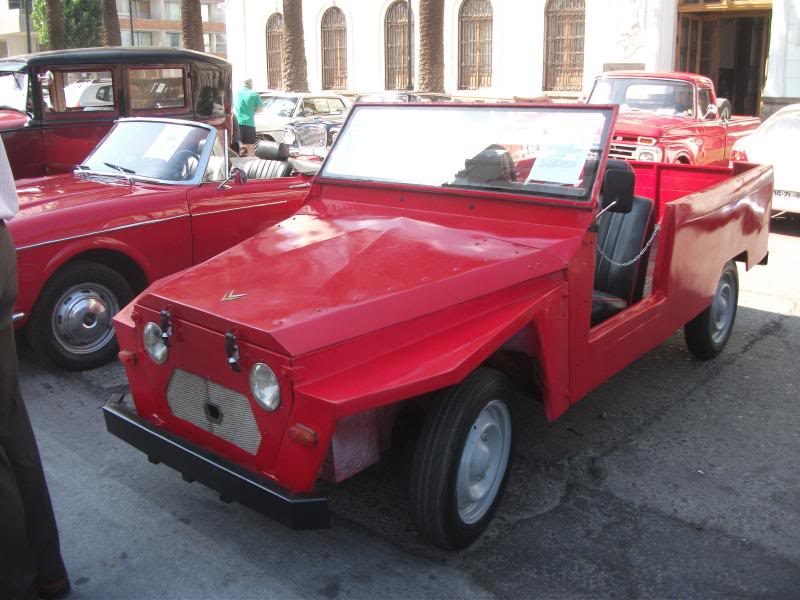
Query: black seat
(492, 165)
(621, 237)
(258, 168)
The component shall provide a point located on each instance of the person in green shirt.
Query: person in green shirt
(247, 104)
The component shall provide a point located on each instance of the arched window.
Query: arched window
(475, 44)
(334, 50)
(563, 45)
(275, 51)
(398, 55)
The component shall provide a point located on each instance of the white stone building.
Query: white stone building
(13, 32)
(531, 48)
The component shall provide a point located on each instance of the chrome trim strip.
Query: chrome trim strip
(17, 317)
(295, 186)
(101, 231)
(224, 210)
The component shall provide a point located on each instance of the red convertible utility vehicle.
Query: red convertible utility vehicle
(432, 280)
(670, 117)
(56, 106)
(154, 197)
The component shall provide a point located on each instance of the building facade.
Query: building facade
(14, 34)
(532, 48)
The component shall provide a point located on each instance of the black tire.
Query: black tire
(708, 333)
(439, 452)
(78, 284)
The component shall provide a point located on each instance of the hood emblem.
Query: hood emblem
(231, 296)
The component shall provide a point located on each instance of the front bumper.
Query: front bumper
(297, 511)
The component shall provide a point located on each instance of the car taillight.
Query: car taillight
(739, 155)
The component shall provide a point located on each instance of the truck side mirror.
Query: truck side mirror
(712, 112)
(618, 191)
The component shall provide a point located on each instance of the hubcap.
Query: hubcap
(82, 318)
(484, 459)
(723, 307)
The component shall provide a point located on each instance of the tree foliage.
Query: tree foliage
(82, 23)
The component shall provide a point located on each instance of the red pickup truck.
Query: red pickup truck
(670, 117)
(517, 262)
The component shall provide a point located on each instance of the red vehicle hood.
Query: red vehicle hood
(11, 119)
(315, 280)
(648, 124)
(56, 192)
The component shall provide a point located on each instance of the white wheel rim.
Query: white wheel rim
(484, 459)
(723, 307)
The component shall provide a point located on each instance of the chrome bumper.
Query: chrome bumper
(18, 316)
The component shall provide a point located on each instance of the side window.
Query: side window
(336, 105)
(78, 91)
(154, 89)
(216, 169)
(703, 101)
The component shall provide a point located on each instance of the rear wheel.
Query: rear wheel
(462, 459)
(71, 322)
(707, 334)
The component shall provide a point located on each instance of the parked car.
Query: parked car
(670, 117)
(776, 143)
(56, 106)
(280, 109)
(148, 201)
(427, 288)
(390, 96)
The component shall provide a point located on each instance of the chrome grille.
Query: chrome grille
(623, 151)
(314, 136)
(197, 400)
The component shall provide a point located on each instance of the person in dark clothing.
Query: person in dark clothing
(30, 555)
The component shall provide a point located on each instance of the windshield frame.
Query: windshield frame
(587, 201)
(197, 179)
(655, 80)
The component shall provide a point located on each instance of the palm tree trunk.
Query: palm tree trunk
(431, 46)
(295, 68)
(54, 15)
(110, 34)
(192, 30)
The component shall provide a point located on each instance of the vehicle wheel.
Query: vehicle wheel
(725, 109)
(71, 321)
(462, 459)
(707, 334)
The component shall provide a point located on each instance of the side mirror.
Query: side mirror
(618, 191)
(237, 176)
(712, 112)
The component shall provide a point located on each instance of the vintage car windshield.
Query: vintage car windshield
(541, 151)
(14, 90)
(149, 149)
(280, 106)
(642, 94)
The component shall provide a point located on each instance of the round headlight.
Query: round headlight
(288, 136)
(154, 344)
(264, 387)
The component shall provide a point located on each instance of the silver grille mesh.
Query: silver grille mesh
(189, 397)
(623, 151)
(313, 136)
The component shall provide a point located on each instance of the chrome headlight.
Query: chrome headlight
(289, 136)
(154, 344)
(648, 154)
(264, 387)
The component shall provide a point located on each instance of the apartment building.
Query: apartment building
(13, 32)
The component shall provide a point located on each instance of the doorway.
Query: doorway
(728, 46)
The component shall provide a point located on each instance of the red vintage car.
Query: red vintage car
(670, 117)
(154, 197)
(431, 288)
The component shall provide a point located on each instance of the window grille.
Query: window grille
(275, 51)
(475, 44)
(397, 52)
(563, 45)
(334, 50)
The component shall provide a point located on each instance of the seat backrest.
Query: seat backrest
(493, 164)
(621, 237)
(258, 168)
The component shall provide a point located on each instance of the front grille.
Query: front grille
(623, 151)
(216, 409)
(312, 135)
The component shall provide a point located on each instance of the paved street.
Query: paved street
(674, 479)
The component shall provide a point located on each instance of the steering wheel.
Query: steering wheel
(184, 163)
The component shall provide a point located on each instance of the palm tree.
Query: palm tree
(54, 15)
(295, 68)
(110, 35)
(192, 29)
(431, 46)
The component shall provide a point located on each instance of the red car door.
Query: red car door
(222, 218)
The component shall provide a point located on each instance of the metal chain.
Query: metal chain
(638, 256)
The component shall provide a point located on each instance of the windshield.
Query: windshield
(539, 151)
(14, 90)
(662, 97)
(149, 149)
(279, 106)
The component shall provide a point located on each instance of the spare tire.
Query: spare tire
(725, 109)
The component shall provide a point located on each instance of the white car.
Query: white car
(775, 143)
(280, 109)
(97, 95)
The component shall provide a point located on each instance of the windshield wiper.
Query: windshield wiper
(120, 169)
